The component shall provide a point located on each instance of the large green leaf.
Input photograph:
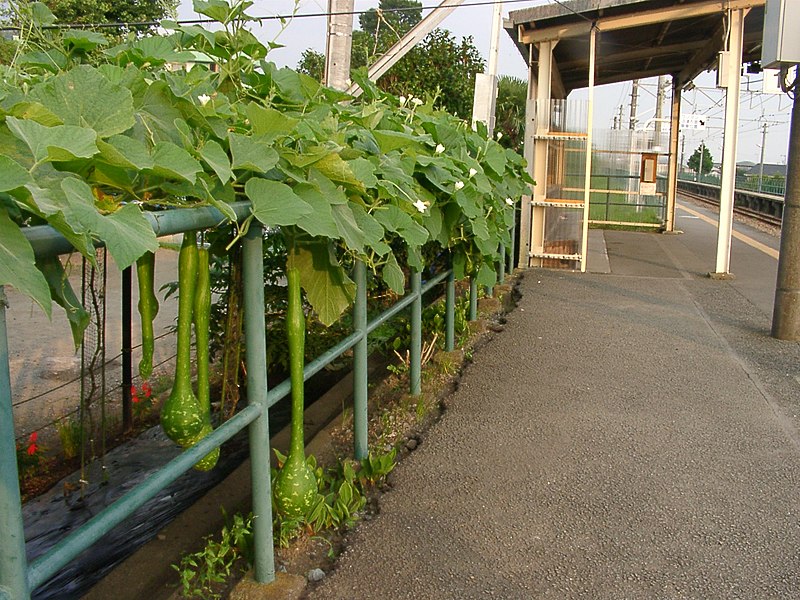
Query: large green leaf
(84, 97)
(125, 152)
(338, 171)
(63, 295)
(394, 219)
(59, 143)
(83, 40)
(17, 265)
(348, 227)
(328, 288)
(269, 122)
(254, 153)
(217, 159)
(393, 275)
(170, 160)
(370, 228)
(12, 174)
(156, 113)
(275, 203)
(126, 233)
(496, 158)
(319, 222)
(486, 276)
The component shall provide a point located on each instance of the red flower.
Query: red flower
(32, 449)
(148, 391)
(33, 437)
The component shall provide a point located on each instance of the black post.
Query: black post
(127, 351)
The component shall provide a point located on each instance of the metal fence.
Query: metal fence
(18, 578)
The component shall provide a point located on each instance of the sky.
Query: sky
(476, 21)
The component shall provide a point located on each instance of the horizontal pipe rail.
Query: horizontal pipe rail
(46, 241)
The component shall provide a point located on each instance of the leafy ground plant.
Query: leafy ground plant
(201, 571)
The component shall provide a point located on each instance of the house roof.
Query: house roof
(637, 38)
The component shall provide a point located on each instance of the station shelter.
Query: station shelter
(589, 175)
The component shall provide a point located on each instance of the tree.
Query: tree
(708, 160)
(439, 66)
(111, 11)
(512, 94)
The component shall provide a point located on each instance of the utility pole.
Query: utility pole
(339, 43)
(634, 101)
(485, 96)
(662, 82)
(633, 169)
(701, 161)
(761, 162)
(786, 313)
(683, 151)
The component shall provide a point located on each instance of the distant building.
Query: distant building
(770, 170)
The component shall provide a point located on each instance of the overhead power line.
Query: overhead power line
(283, 17)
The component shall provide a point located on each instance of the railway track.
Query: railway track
(738, 210)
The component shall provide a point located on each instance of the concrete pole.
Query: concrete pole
(662, 82)
(485, 97)
(339, 45)
(634, 103)
(633, 163)
(727, 184)
(761, 161)
(786, 312)
(672, 174)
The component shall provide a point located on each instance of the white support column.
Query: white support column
(587, 192)
(672, 175)
(523, 252)
(732, 76)
(540, 146)
(339, 43)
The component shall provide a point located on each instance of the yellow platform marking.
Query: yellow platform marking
(738, 235)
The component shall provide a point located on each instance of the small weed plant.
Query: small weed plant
(69, 434)
(201, 571)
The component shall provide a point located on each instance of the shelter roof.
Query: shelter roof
(637, 38)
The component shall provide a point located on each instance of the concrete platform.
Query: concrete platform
(630, 435)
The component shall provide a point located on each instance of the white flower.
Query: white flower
(402, 100)
(509, 201)
(416, 101)
(472, 172)
(420, 206)
(499, 135)
(204, 98)
(459, 185)
(439, 149)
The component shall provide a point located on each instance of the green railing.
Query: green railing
(746, 183)
(18, 578)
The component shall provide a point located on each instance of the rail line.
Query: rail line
(739, 210)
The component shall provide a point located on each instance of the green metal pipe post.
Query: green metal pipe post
(360, 417)
(13, 567)
(511, 254)
(256, 344)
(415, 368)
(473, 299)
(450, 313)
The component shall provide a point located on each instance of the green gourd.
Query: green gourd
(202, 320)
(148, 309)
(181, 417)
(295, 485)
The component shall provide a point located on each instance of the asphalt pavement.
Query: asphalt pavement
(631, 434)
